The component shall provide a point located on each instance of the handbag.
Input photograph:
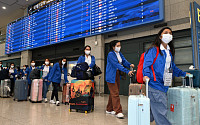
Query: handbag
(96, 70)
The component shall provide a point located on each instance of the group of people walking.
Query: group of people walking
(163, 67)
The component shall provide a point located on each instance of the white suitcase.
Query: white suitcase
(183, 105)
(139, 109)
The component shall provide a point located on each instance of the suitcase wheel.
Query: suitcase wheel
(86, 112)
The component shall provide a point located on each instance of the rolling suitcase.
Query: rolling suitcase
(136, 89)
(82, 95)
(139, 109)
(21, 90)
(5, 88)
(65, 94)
(183, 104)
(36, 90)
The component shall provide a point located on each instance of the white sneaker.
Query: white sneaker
(29, 98)
(45, 100)
(120, 116)
(112, 112)
(57, 103)
(52, 102)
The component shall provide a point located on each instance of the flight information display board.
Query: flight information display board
(64, 20)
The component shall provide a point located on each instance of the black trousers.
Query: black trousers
(29, 90)
(55, 91)
(12, 85)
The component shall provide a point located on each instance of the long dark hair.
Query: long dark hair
(158, 41)
(11, 64)
(48, 60)
(113, 44)
(60, 62)
(85, 48)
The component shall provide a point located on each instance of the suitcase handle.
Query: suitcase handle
(147, 85)
(190, 76)
(132, 69)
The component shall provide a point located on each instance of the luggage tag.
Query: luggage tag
(168, 77)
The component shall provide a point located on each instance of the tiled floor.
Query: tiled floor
(26, 113)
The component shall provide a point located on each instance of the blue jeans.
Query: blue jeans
(158, 104)
(45, 89)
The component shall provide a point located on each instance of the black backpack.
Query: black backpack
(80, 72)
(35, 74)
(4, 74)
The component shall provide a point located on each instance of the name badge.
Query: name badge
(167, 79)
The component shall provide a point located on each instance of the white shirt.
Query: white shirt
(118, 57)
(11, 71)
(168, 58)
(45, 71)
(88, 59)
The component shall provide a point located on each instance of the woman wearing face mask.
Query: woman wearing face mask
(27, 73)
(58, 72)
(23, 70)
(87, 57)
(46, 69)
(115, 60)
(164, 68)
(12, 74)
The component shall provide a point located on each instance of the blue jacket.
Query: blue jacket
(22, 72)
(46, 77)
(55, 74)
(113, 64)
(158, 69)
(28, 71)
(81, 59)
(13, 74)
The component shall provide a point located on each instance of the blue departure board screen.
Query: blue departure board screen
(65, 20)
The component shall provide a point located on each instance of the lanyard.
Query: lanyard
(170, 68)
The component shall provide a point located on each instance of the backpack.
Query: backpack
(4, 74)
(82, 66)
(139, 74)
(35, 74)
(80, 72)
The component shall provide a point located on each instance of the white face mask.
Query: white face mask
(167, 38)
(117, 49)
(63, 62)
(47, 63)
(87, 52)
(24, 67)
(12, 66)
(32, 64)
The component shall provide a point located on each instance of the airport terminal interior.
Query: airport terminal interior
(81, 62)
